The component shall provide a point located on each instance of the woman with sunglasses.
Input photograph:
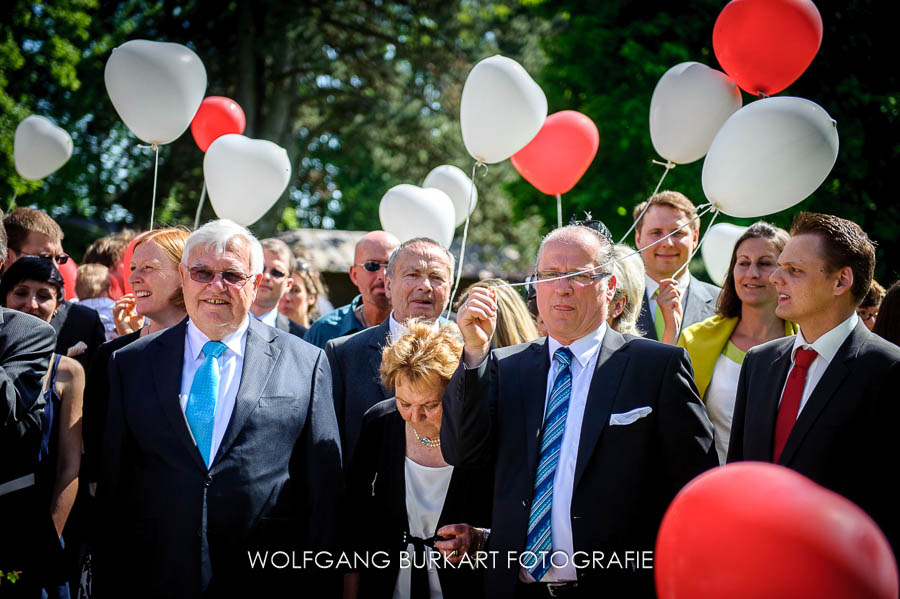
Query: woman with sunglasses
(404, 496)
(34, 286)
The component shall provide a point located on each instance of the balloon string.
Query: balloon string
(200, 205)
(462, 248)
(705, 208)
(12, 202)
(669, 166)
(686, 265)
(155, 148)
(558, 210)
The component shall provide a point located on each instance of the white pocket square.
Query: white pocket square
(629, 416)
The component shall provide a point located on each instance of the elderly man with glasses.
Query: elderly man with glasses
(221, 441)
(276, 281)
(79, 330)
(372, 306)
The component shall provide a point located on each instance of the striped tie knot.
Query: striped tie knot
(213, 349)
(564, 356)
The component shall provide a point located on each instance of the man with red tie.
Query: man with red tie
(824, 402)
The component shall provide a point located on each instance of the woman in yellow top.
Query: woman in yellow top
(745, 317)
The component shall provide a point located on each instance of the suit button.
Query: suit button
(524, 503)
(208, 481)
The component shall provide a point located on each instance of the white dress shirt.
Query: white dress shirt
(652, 286)
(826, 346)
(231, 365)
(584, 353)
(268, 318)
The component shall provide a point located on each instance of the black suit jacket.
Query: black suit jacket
(176, 529)
(73, 323)
(355, 360)
(283, 323)
(699, 303)
(845, 436)
(377, 494)
(625, 475)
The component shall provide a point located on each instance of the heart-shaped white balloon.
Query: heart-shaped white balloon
(155, 87)
(458, 187)
(501, 109)
(410, 211)
(40, 147)
(718, 245)
(245, 177)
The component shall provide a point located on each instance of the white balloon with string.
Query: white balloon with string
(768, 156)
(409, 211)
(40, 148)
(458, 187)
(717, 249)
(245, 177)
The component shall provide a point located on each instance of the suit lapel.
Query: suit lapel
(167, 359)
(767, 398)
(831, 379)
(601, 396)
(376, 345)
(532, 377)
(645, 321)
(259, 361)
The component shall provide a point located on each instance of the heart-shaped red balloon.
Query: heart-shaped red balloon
(560, 153)
(765, 45)
(754, 529)
(69, 272)
(217, 116)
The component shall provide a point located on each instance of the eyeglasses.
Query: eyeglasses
(60, 259)
(274, 273)
(579, 277)
(207, 275)
(372, 265)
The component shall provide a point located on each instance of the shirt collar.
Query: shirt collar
(828, 344)
(398, 330)
(652, 285)
(582, 349)
(196, 339)
(270, 318)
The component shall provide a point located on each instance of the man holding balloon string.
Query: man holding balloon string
(674, 298)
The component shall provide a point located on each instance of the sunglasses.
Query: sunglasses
(372, 265)
(274, 273)
(61, 259)
(206, 275)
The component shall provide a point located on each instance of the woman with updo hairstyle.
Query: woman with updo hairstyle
(745, 317)
(404, 497)
(34, 286)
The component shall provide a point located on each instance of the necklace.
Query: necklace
(425, 440)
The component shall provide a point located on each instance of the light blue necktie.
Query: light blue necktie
(540, 534)
(200, 410)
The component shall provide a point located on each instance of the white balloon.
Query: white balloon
(245, 177)
(410, 211)
(768, 156)
(155, 87)
(457, 185)
(689, 105)
(718, 245)
(40, 147)
(501, 109)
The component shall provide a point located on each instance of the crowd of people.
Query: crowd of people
(193, 423)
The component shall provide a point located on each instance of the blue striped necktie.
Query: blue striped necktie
(200, 410)
(540, 534)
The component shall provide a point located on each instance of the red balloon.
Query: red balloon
(764, 45)
(126, 262)
(217, 116)
(69, 272)
(560, 153)
(754, 529)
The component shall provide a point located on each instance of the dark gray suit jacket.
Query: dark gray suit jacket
(275, 483)
(26, 343)
(625, 475)
(73, 323)
(699, 304)
(355, 360)
(845, 436)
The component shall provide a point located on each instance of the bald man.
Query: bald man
(372, 306)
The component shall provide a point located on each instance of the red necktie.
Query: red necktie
(790, 400)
